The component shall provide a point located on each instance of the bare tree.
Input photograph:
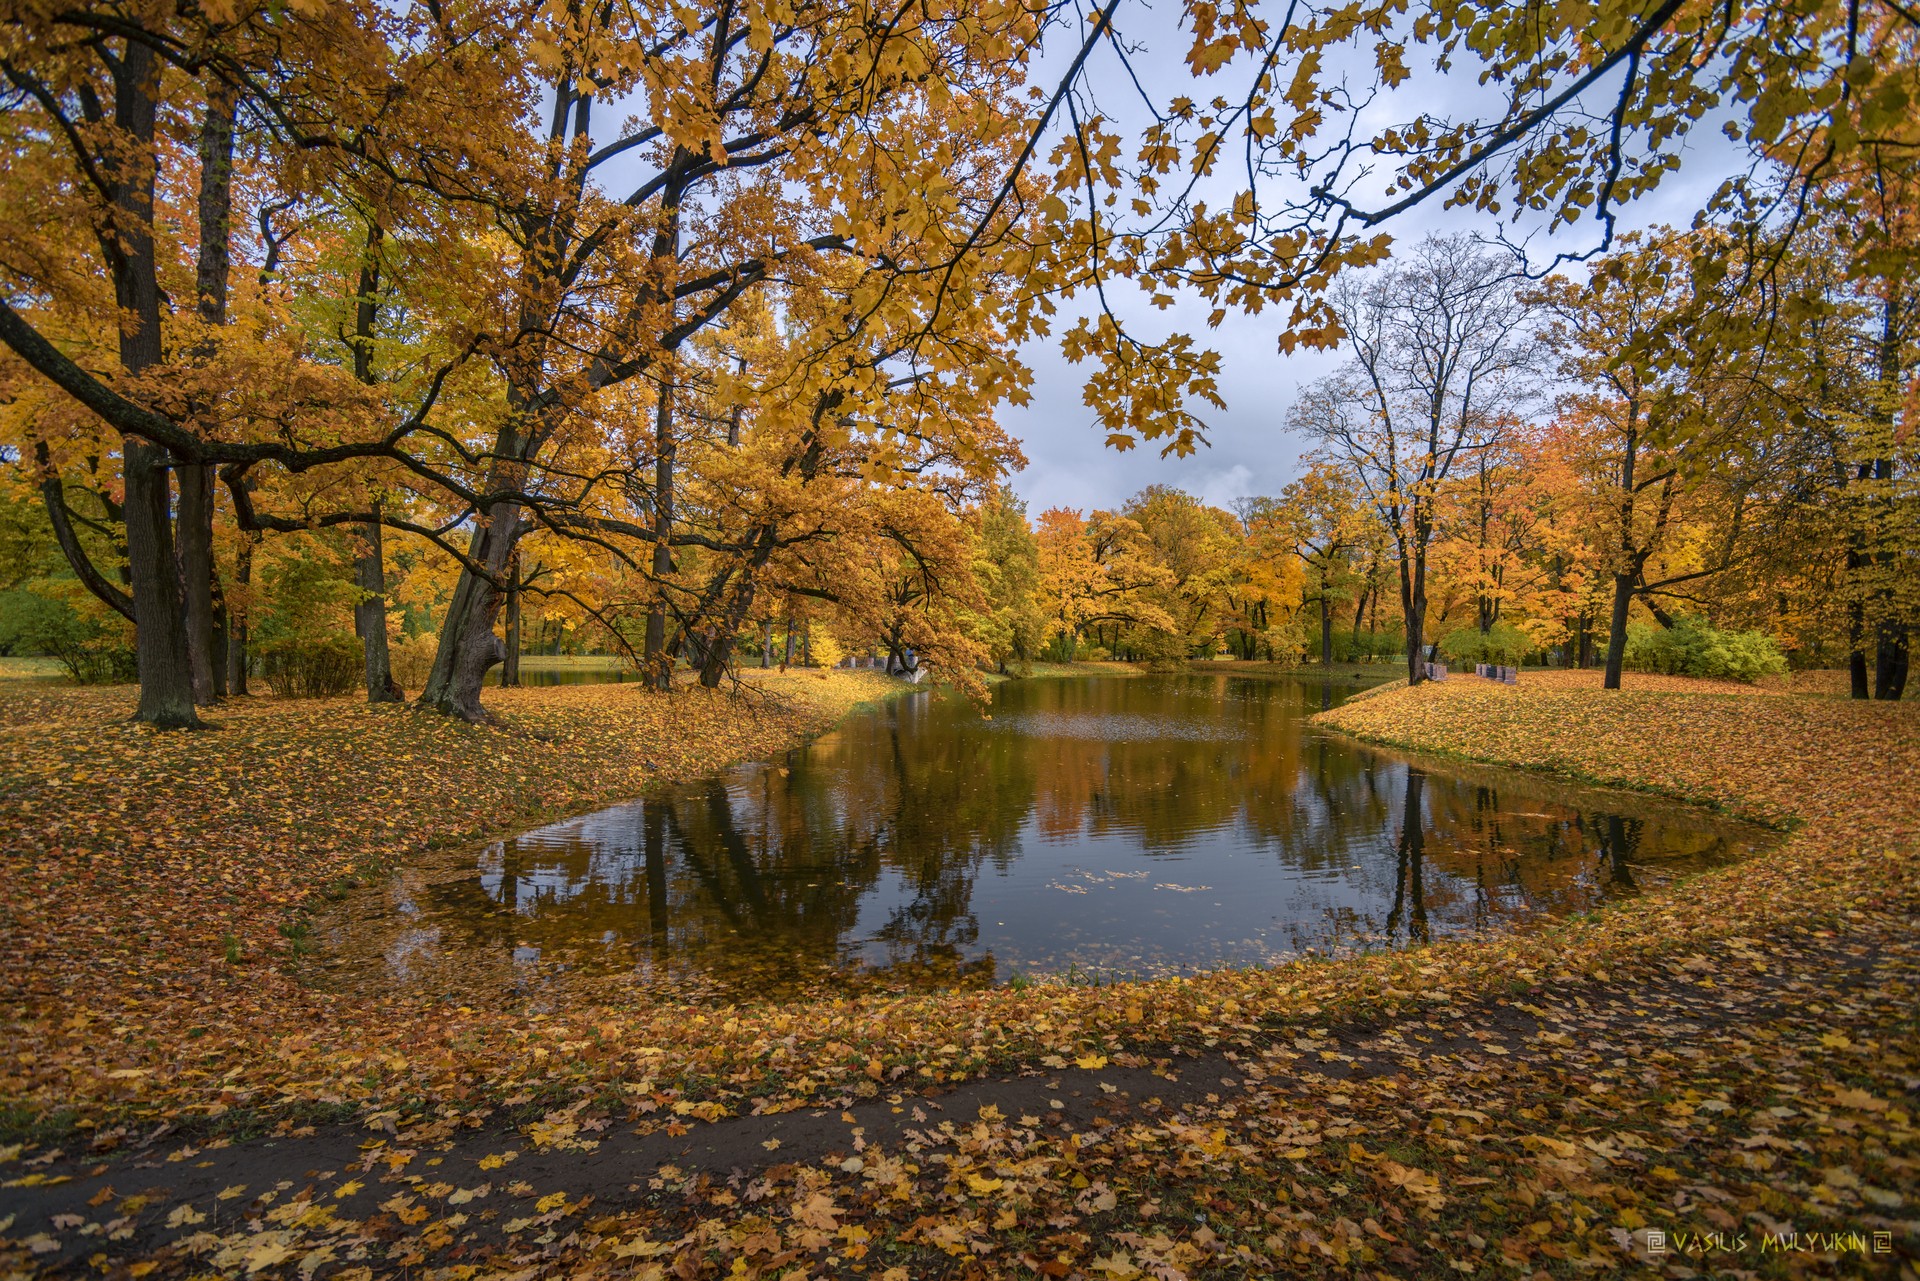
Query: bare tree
(1440, 343)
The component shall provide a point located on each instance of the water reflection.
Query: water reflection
(1107, 825)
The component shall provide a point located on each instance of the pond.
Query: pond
(1096, 827)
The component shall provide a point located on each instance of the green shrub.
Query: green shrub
(1693, 647)
(311, 667)
(1505, 646)
(1391, 643)
(94, 650)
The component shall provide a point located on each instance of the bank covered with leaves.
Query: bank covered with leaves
(1727, 1063)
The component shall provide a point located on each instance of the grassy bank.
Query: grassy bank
(1732, 1055)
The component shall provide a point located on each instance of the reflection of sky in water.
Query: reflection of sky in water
(1129, 825)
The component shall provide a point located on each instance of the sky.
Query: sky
(1250, 452)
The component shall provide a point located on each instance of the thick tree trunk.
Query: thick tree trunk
(468, 646)
(166, 670)
(1890, 664)
(370, 613)
(212, 268)
(1326, 629)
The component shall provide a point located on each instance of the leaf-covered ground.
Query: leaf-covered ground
(1738, 1057)
(156, 880)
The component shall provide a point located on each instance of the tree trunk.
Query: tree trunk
(468, 646)
(237, 606)
(53, 493)
(1617, 628)
(195, 554)
(510, 665)
(659, 662)
(1413, 606)
(212, 267)
(1859, 685)
(166, 669)
(370, 567)
(370, 613)
(1326, 629)
(1890, 664)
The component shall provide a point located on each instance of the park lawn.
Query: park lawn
(1735, 1054)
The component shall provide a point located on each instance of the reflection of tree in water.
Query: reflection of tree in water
(868, 846)
(1409, 879)
(756, 883)
(1471, 855)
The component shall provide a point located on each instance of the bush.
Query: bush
(94, 650)
(411, 660)
(1693, 647)
(312, 667)
(1504, 646)
(824, 647)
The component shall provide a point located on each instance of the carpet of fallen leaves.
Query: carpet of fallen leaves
(1728, 1070)
(155, 880)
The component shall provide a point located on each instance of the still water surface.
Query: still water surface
(1103, 826)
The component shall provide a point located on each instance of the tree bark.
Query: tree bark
(510, 666)
(212, 268)
(370, 566)
(468, 647)
(1413, 605)
(195, 553)
(1890, 664)
(166, 669)
(1628, 568)
(1617, 629)
(370, 613)
(237, 607)
(659, 662)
